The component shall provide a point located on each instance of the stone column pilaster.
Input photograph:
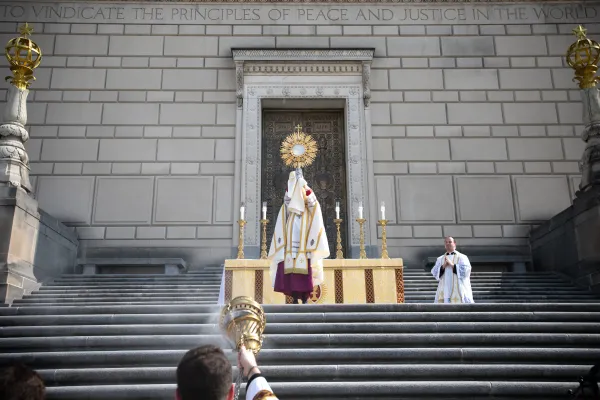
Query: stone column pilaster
(590, 161)
(14, 162)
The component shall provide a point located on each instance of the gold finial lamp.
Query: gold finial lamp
(583, 57)
(23, 55)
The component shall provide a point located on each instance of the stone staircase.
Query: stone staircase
(501, 287)
(121, 337)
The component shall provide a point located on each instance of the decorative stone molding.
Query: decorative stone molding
(239, 78)
(303, 54)
(252, 137)
(366, 74)
(304, 62)
(302, 68)
(590, 161)
(14, 162)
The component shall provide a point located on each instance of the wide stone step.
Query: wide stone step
(305, 341)
(500, 294)
(305, 319)
(118, 303)
(124, 293)
(133, 276)
(504, 301)
(398, 390)
(458, 355)
(116, 299)
(51, 288)
(328, 373)
(333, 310)
(139, 281)
(314, 328)
(540, 287)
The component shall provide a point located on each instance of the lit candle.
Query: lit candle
(337, 209)
(264, 210)
(242, 209)
(382, 210)
(360, 210)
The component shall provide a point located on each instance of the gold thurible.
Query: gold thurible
(384, 252)
(240, 254)
(23, 55)
(583, 57)
(263, 246)
(339, 254)
(361, 223)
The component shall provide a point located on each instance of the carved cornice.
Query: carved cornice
(303, 54)
(302, 68)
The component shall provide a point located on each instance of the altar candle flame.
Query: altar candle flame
(264, 210)
(337, 210)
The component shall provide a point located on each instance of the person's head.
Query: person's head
(450, 244)
(204, 372)
(19, 382)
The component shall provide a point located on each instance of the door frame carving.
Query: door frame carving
(304, 74)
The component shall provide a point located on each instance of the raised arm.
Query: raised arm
(311, 199)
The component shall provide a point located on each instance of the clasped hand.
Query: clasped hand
(448, 263)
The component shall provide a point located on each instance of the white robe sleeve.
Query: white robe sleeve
(463, 267)
(259, 389)
(435, 271)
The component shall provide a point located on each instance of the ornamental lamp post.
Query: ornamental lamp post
(583, 56)
(23, 55)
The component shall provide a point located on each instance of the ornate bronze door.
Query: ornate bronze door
(326, 176)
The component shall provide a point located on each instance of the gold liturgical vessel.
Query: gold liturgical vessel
(243, 322)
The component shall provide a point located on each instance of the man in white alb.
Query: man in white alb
(453, 271)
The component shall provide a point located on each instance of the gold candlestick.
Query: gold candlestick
(338, 254)
(240, 254)
(384, 252)
(361, 223)
(263, 247)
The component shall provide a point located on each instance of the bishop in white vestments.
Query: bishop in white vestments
(299, 242)
(453, 271)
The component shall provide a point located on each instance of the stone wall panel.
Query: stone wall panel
(484, 198)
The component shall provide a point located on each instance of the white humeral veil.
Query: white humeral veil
(456, 287)
(299, 234)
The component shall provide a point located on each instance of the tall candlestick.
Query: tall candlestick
(337, 210)
(361, 223)
(264, 209)
(384, 252)
(240, 254)
(339, 254)
(360, 210)
(242, 212)
(382, 210)
(263, 246)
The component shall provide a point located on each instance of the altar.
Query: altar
(301, 250)
(347, 281)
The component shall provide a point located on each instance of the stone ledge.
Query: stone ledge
(172, 266)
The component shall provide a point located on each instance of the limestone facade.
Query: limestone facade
(473, 125)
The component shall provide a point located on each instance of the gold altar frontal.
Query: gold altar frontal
(347, 281)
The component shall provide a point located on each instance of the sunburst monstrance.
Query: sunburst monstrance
(298, 149)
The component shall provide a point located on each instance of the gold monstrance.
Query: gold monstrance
(298, 149)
